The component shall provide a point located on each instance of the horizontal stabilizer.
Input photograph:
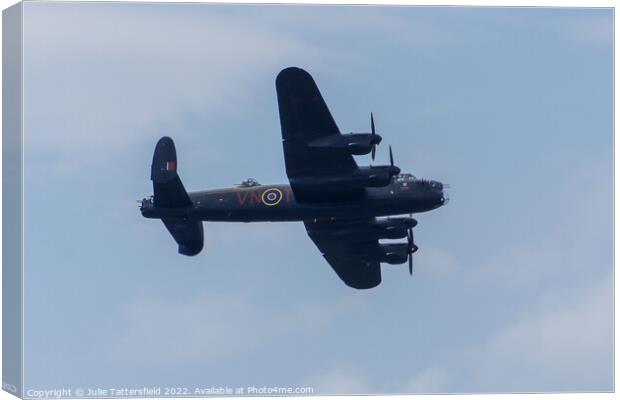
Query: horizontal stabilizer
(187, 233)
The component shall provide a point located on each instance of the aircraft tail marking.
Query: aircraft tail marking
(169, 193)
(167, 186)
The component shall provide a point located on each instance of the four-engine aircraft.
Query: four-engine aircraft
(337, 200)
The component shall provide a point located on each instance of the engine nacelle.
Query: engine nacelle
(353, 143)
(394, 228)
(389, 228)
(376, 176)
(394, 253)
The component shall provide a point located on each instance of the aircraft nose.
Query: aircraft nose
(438, 188)
(436, 185)
(444, 198)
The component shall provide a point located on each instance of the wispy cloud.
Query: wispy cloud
(553, 291)
(339, 379)
(430, 380)
(101, 78)
(563, 343)
(212, 327)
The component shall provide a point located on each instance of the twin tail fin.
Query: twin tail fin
(169, 192)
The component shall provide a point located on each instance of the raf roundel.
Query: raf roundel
(271, 197)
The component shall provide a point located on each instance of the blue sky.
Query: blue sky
(512, 107)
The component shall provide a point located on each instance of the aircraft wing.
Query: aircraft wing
(304, 117)
(345, 246)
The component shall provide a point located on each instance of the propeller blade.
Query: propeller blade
(411, 246)
(410, 264)
(372, 124)
(372, 129)
(391, 157)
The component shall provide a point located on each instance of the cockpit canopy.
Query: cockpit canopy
(249, 182)
(405, 178)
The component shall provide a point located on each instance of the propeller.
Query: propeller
(412, 248)
(372, 130)
(393, 169)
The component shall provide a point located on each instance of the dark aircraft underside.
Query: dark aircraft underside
(337, 200)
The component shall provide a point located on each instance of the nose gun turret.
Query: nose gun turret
(146, 203)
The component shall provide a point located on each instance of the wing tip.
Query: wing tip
(357, 278)
(292, 73)
(364, 285)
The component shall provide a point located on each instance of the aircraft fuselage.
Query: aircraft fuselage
(263, 203)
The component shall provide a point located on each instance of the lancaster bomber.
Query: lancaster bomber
(338, 201)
